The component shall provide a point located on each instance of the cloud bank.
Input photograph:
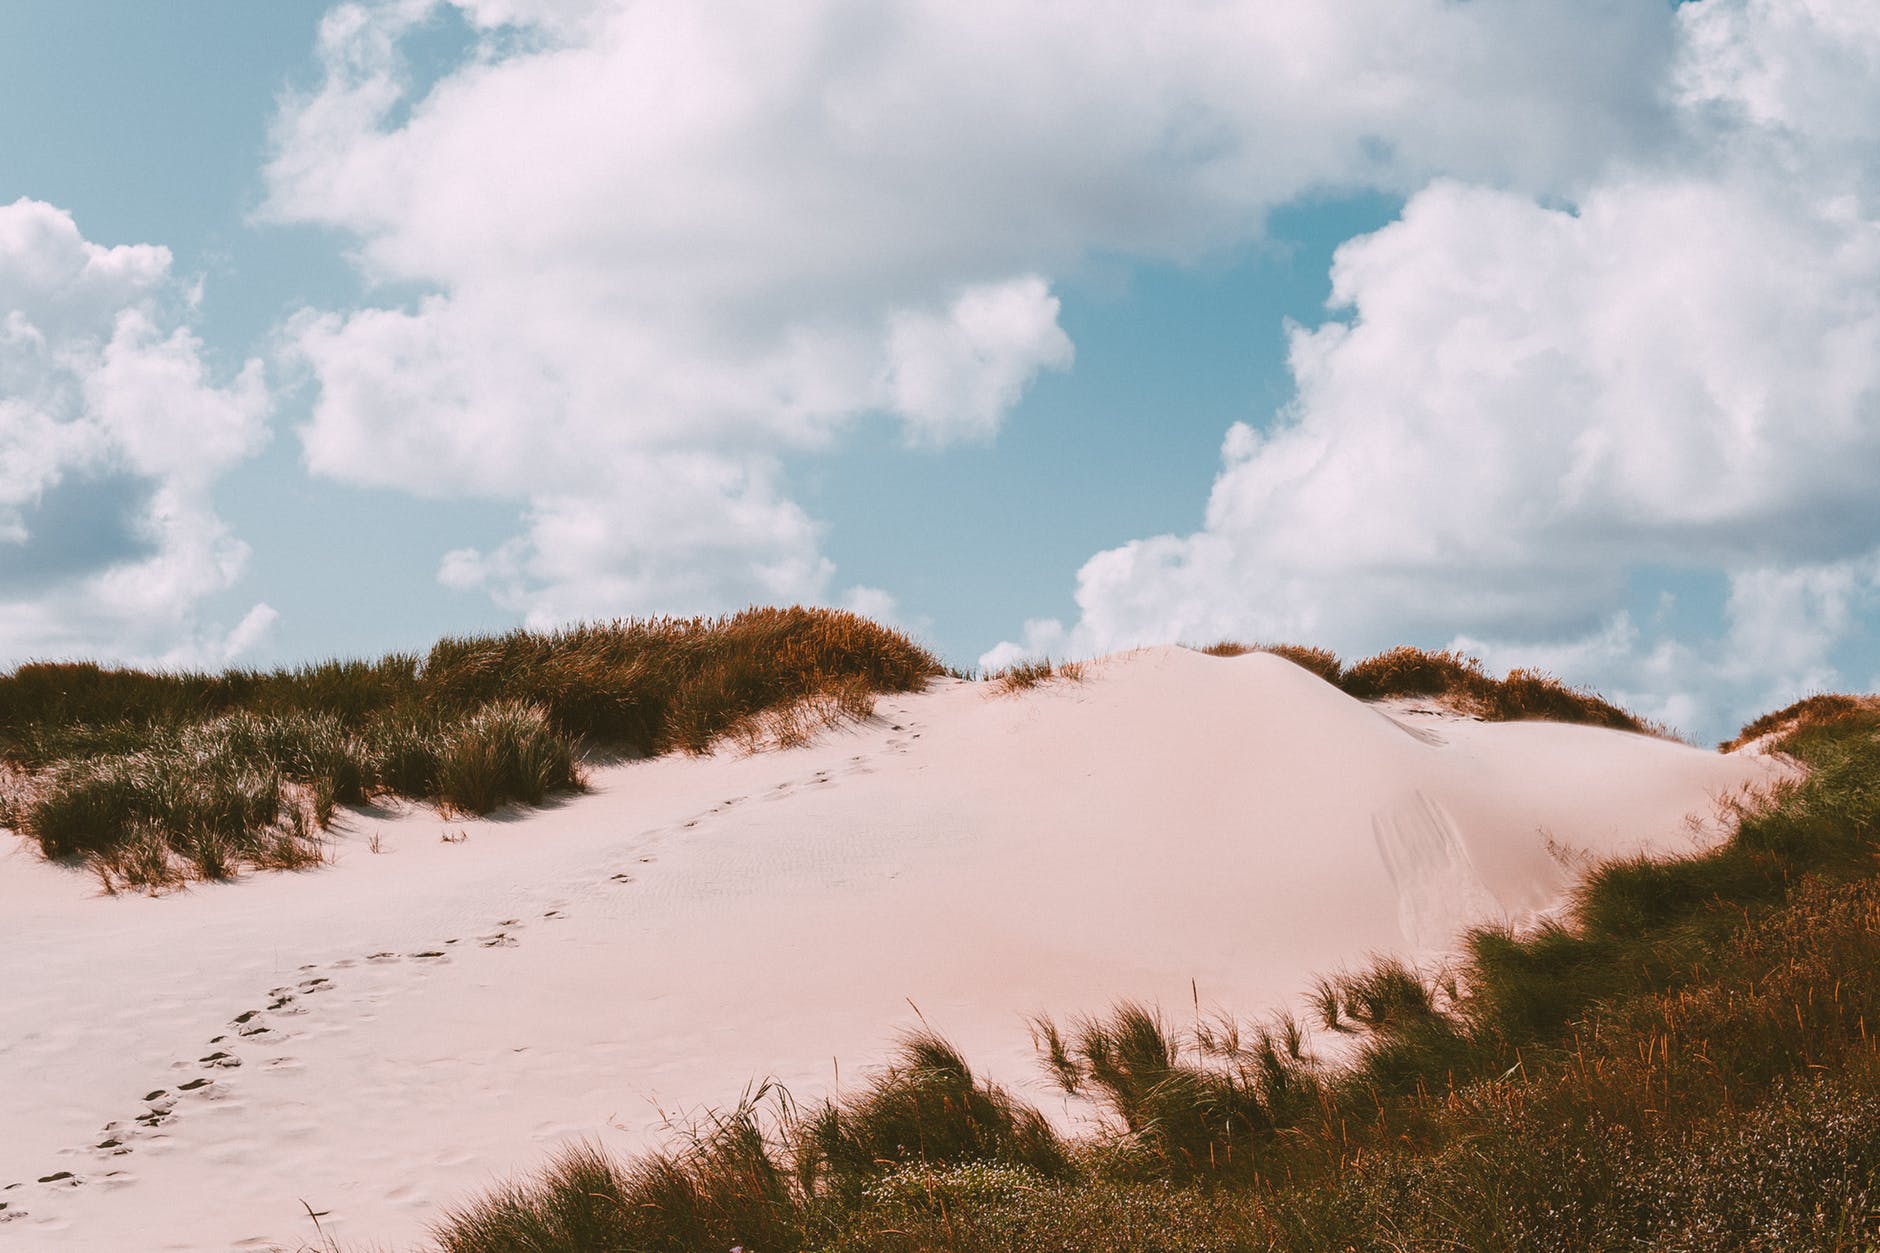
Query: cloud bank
(112, 432)
(634, 253)
(1520, 404)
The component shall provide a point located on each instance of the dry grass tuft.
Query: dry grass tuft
(1456, 680)
(1819, 712)
(1459, 681)
(1320, 661)
(1029, 674)
(798, 724)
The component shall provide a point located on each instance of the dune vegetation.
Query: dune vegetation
(1024, 675)
(155, 778)
(1455, 679)
(1686, 1061)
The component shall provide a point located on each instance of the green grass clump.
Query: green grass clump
(741, 1180)
(1687, 1061)
(231, 769)
(927, 1107)
(1182, 1107)
(989, 1208)
(505, 751)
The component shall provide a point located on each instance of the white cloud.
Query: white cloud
(111, 434)
(955, 375)
(660, 231)
(1524, 402)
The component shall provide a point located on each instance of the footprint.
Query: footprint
(383, 958)
(316, 985)
(430, 954)
(501, 939)
(553, 913)
(195, 1085)
(623, 877)
(60, 1176)
(226, 1061)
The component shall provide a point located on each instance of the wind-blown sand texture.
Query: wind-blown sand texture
(389, 1034)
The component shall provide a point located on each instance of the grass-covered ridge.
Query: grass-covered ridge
(1688, 1062)
(155, 777)
(1456, 679)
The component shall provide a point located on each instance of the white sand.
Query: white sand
(693, 924)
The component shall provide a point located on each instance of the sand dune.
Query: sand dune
(386, 1035)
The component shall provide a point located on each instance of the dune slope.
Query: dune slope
(389, 1033)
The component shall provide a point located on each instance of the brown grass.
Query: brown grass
(1458, 681)
(796, 724)
(1818, 712)
(1454, 679)
(1029, 674)
(1320, 661)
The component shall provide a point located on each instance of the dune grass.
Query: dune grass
(1687, 1062)
(1456, 679)
(1821, 712)
(765, 1175)
(159, 778)
(1024, 675)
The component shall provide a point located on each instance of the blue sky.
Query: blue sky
(1540, 329)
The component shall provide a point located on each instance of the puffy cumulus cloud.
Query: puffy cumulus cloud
(648, 230)
(112, 431)
(954, 375)
(1520, 404)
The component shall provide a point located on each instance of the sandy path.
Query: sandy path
(399, 1029)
